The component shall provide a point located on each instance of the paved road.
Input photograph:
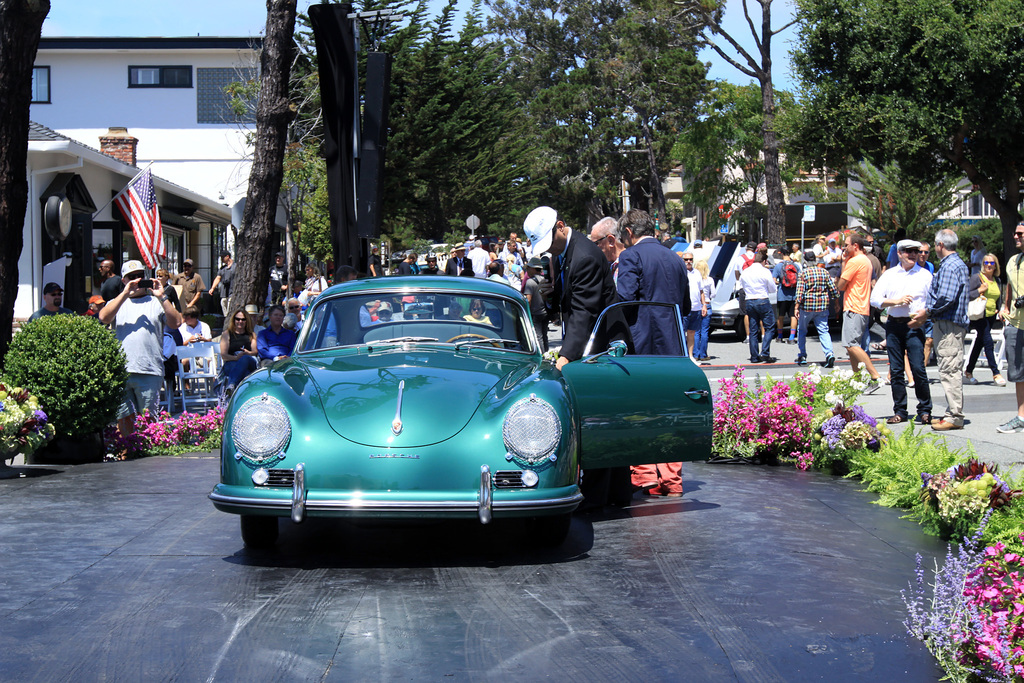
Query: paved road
(125, 572)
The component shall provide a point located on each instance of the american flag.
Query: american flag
(137, 204)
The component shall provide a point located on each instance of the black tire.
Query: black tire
(258, 531)
(739, 329)
(548, 532)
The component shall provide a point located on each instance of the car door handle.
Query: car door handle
(697, 393)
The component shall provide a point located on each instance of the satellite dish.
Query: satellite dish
(57, 217)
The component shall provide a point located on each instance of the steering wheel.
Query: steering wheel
(497, 343)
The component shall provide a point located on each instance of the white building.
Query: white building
(142, 101)
(68, 182)
(168, 93)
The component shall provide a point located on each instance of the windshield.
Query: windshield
(463, 320)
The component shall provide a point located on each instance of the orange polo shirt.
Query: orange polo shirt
(857, 273)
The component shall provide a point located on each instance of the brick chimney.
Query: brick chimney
(119, 144)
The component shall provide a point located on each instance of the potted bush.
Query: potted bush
(76, 368)
(24, 428)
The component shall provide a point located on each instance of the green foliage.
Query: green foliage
(894, 472)
(722, 150)
(890, 199)
(931, 85)
(76, 368)
(608, 83)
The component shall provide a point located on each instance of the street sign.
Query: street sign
(809, 213)
(473, 223)
(724, 230)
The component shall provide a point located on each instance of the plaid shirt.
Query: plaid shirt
(948, 297)
(814, 288)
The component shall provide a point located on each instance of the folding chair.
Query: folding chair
(203, 365)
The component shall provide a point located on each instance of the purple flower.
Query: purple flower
(859, 414)
(832, 428)
(41, 418)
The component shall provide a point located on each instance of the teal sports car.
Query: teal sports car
(428, 397)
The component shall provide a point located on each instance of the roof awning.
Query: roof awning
(168, 217)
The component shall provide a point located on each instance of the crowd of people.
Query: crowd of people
(926, 309)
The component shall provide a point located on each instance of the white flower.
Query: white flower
(859, 386)
(831, 398)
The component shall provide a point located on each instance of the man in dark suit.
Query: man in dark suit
(455, 261)
(583, 280)
(649, 272)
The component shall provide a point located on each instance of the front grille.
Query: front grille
(508, 479)
(281, 478)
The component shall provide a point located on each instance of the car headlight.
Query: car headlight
(531, 430)
(261, 428)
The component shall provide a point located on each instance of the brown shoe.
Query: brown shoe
(945, 426)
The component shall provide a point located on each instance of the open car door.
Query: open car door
(639, 409)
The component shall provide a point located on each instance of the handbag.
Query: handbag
(976, 308)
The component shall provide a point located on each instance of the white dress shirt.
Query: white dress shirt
(897, 282)
(757, 282)
(694, 278)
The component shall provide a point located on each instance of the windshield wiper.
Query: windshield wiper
(402, 339)
(486, 341)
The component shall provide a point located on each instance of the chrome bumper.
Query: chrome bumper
(298, 503)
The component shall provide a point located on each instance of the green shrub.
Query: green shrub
(76, 368)
(894, 472)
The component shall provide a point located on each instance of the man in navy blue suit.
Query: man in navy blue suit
(650, 272)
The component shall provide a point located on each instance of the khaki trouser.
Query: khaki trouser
(949, 350)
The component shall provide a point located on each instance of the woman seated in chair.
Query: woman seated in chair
(238, 349)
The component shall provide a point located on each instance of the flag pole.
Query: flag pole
(114, 198)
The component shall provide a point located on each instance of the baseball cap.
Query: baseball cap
(539, 226)
(132, 266)
(187, 262)
(831, 240)
(52, 287)
(903, 245)
(96, 299)
(698, 243)
(762, 245)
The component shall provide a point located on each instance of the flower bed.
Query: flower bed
(972, 617)
(162, 434)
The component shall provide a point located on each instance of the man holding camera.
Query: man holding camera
(139, 314)
(1013, 333)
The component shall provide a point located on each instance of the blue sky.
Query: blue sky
(245, 18)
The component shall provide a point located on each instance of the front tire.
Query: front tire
(258, 531)
(548, 532)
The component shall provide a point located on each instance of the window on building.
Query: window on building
(41, 85)
(213, 104)
(159, 76)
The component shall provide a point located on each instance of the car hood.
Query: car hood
(440, 391)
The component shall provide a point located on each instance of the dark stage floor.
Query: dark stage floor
(125, 572)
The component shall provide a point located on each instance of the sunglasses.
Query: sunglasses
(989, 263)
(689, 260)
(294, 308)
(912, 251)
(1018, 234)
(239, 320)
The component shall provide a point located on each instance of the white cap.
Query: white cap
(539, 226)
(132, 267)
(903, 245)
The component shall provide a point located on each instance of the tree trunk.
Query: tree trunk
(21, 22)
(273, 114)
(657, 192)
(776, 198)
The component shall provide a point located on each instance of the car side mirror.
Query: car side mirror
(616, 349)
